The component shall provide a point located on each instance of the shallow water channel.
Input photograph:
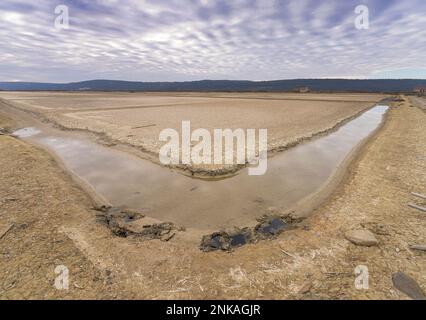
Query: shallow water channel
(125, 179)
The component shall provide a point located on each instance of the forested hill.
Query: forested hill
(324, 85)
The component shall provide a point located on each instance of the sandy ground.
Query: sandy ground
(33, 206)
(52, 224)
(137, 119)
(419, 102)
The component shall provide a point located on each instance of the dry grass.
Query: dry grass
(56, 226)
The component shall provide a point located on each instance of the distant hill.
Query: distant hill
(322, 85)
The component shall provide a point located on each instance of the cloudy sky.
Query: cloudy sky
(175, 40)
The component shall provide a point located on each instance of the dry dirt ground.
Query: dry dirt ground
(52, 225)
(138, 118)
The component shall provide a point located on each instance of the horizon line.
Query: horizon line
(235, 80)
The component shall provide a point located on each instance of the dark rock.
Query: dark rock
(271, 227)
(407, 285)
(215, 241)
(238, 238)
(226, 241)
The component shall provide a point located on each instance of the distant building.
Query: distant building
(421, 91)
(302, 89)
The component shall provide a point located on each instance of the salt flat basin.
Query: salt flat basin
(292, 176)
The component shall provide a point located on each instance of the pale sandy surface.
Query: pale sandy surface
(419, 102)
(138, 118)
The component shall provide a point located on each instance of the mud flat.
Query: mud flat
(53, 224)
(295, 180)
(137, 119)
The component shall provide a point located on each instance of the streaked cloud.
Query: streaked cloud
(167, 40)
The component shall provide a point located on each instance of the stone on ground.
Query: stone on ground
(362, 237)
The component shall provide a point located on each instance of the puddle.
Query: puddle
(126, 180)
(26, 132)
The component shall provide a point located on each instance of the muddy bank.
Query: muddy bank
(126, 222)
(299, 177)
(7, 124)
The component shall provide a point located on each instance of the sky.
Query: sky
(182, 40)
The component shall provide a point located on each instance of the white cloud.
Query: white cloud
(166, 40)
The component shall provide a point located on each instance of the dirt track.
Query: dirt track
(53, 225)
